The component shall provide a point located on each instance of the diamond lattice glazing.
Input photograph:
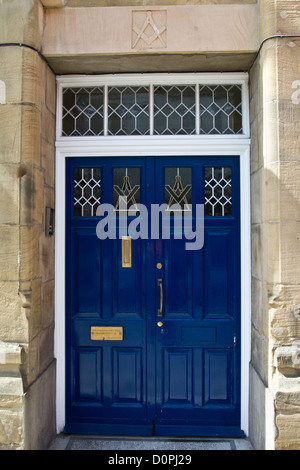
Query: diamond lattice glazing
(221, 109)
(156, 110)
(174, 110)
(218, 191)
(82, 112)
(87, 191)
(128, 111)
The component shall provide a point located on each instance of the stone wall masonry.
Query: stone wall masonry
(73, 42)
(22, 22)
(27, 136)
(108, 3)
(275, 165)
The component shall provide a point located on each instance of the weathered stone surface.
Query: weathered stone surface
(27, 134)
(31, 135)
(260, 301)
(10, 353)
(284, 304)
(9, 253)
(29, 252)
(21, 22)
(46, 257)
(102, 49)
(53, 3)
(2, 92)
(280, 17)
(288, 431)
(260, 354)
(11, 428)
(48, 125)
(50, 99)
(11, 72)
(152, 62)
(48, 162)
(9, 201)
(10, 133)
(275, 113)
(288, 359)
(40, 402)
(11, 396)
(32, 73)
(287, 402)
(48, 303)
(14, 326)
(108, 3)
(31, 187)
(257, 418)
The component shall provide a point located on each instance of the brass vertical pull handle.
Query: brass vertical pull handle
(160, 310)
(126, 252)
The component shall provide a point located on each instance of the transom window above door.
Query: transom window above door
(181, 105)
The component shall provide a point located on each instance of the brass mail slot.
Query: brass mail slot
(126, 252)
(106, 333)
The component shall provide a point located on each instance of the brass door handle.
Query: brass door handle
(160, 310)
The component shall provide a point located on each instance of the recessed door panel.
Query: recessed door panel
(88, 370)
(218, 281)
(177, 386)
(177, 278)
(218, 384)
(127, 285)
(127, 376)
(87, 273)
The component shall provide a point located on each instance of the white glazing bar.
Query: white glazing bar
(151, 109)
(150, 81)
(105, 110)
(245, 109)
(197, 108)
(59, 110)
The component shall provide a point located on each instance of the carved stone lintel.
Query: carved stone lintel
(149, 29)
(53, 3)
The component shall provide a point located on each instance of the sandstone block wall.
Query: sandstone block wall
(27, 133)
(275, 165)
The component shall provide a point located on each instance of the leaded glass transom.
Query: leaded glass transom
(83, 112)
(152, 110)
(87, 191)
(221, 110)
(174, 110)
(218, 201)
(128, 111)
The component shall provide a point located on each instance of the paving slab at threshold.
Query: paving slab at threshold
(78, 442)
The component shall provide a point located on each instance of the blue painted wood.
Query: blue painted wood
(182, 378)
(200, 385)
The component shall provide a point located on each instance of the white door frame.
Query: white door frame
(153, 146)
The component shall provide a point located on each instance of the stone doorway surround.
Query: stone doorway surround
(149, 146)
(262, 38)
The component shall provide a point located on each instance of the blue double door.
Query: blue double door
(153, 320)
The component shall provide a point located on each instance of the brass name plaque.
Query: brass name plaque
(106, 333)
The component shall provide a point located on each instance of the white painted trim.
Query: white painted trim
(151, 80)
(245, 204)
(151, 146)
(196, 145)
(141, 79)
(59, 332)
